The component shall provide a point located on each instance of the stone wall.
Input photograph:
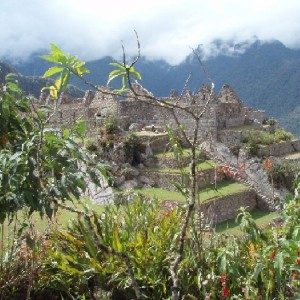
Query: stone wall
(223, 111)
(226, 208)
(279, 149)
(164, 180)
(252, 115)
(230, 114)
(230, 137)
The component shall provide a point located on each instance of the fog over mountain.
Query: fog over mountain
(266, 75)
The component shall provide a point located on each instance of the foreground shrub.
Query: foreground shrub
(91, 255)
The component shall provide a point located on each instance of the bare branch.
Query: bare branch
(203, 68)
(184, 87)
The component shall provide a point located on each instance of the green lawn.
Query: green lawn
(201, 166)
(170, 154)
(44, 224)
(262, 219)
(294, 155)
(244, 128)
(224, 188)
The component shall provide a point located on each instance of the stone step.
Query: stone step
(266, 199)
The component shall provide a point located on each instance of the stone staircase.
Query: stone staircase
(252, 174)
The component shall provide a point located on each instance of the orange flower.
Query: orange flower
(267, 163)
(242, 166)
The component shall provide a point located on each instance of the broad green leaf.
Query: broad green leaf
(13, 87)
(53, 92)
(116, 240)
(117, 74)
(49, 58)
(53, 70)
(80, 127)
(55, 49)
(257, 270)
(278, 262)
(118, 65)
(66, 133)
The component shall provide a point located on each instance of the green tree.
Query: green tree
(40, 166)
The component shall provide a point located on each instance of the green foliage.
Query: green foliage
(65, 66)
(271, 122)
(109, 125)
(265, 138)
(124, 72)
(253, 140)
(143, 233)
(262, 264)
(39, 165)
(136, 242)
(283, 173)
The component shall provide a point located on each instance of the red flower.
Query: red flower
(298, 261)
(225, 291)
(295, 275)
(273, 254)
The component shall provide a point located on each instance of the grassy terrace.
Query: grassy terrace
(224, 188)
(262, 219)
(202, 166)
(294, 155)
(185, 153)
(62, 217)
(244, 128)
(150, 133)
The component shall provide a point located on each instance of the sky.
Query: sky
(167, 29)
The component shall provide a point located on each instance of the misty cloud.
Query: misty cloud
(167, 29)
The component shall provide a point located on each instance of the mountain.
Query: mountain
(266, 76)
(32, 85)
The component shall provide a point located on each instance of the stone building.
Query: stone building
(221, 111)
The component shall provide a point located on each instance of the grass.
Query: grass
(262, 219)
(224, 188)
(170, 154)
(244, 128)
(201, 166)
(294, 155)
(150, 133)
(43, 225)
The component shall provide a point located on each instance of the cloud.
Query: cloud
(167, 29)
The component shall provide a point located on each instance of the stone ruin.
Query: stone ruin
(224, 110)
(220, 125)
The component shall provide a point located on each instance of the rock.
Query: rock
(129, 185)
(135, 127)
(118, 154)
(148, 150)
(119, 180)
(145, 180)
